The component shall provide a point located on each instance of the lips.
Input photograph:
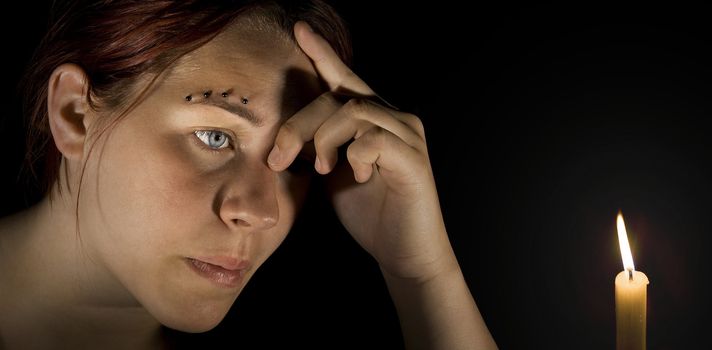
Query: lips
(226, 262)
(224, 271)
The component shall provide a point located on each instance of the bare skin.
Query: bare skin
(385, 196)
(129, 277)
(154, 196)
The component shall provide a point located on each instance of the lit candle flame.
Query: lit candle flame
(625, 247)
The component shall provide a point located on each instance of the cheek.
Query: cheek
(151, 186)
(143, 201)
(157, 189)
(154, 202)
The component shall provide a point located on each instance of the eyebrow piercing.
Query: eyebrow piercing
(224, 94)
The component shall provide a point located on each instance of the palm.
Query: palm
(393, 226)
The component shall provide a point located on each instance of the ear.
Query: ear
(67, 109)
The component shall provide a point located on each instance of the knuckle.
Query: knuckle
(289, 131)
(378, 137)
(356, 106)
(320, 141)
(327, 99)
(356, 153)
(351, 152)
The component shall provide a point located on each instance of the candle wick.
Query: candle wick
(630, 275)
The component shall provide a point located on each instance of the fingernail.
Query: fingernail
(317, 164)
(275, 156)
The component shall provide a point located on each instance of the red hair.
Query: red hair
(117, 41)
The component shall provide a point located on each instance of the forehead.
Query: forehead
(253, 59)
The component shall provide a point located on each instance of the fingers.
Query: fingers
(338, 76)
(381, 149)
(355, 119)
(331, 124)
(300, 129)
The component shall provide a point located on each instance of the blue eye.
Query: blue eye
(213, 138)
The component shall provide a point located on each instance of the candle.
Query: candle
(631, 296)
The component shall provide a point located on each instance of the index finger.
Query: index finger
(329, 66)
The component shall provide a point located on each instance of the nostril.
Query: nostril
(239, 222)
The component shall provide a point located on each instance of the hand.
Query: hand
(385, 194)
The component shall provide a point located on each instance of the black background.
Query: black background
(542, 122)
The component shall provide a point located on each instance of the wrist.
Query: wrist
(446, 267)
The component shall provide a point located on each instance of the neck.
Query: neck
(58, 290)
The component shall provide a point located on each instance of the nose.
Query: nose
(250, 199)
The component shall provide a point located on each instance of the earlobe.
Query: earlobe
(67, 109)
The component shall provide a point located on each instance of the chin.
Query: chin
(198, 319)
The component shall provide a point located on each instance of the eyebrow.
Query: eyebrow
(237, 110)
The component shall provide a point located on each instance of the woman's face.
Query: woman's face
(178, 202)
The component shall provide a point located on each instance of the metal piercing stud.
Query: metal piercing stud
(207, 93)
(244, 101)
(188, 98)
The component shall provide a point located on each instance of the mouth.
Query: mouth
(224, 272)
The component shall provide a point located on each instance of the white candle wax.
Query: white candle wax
(631, 298)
